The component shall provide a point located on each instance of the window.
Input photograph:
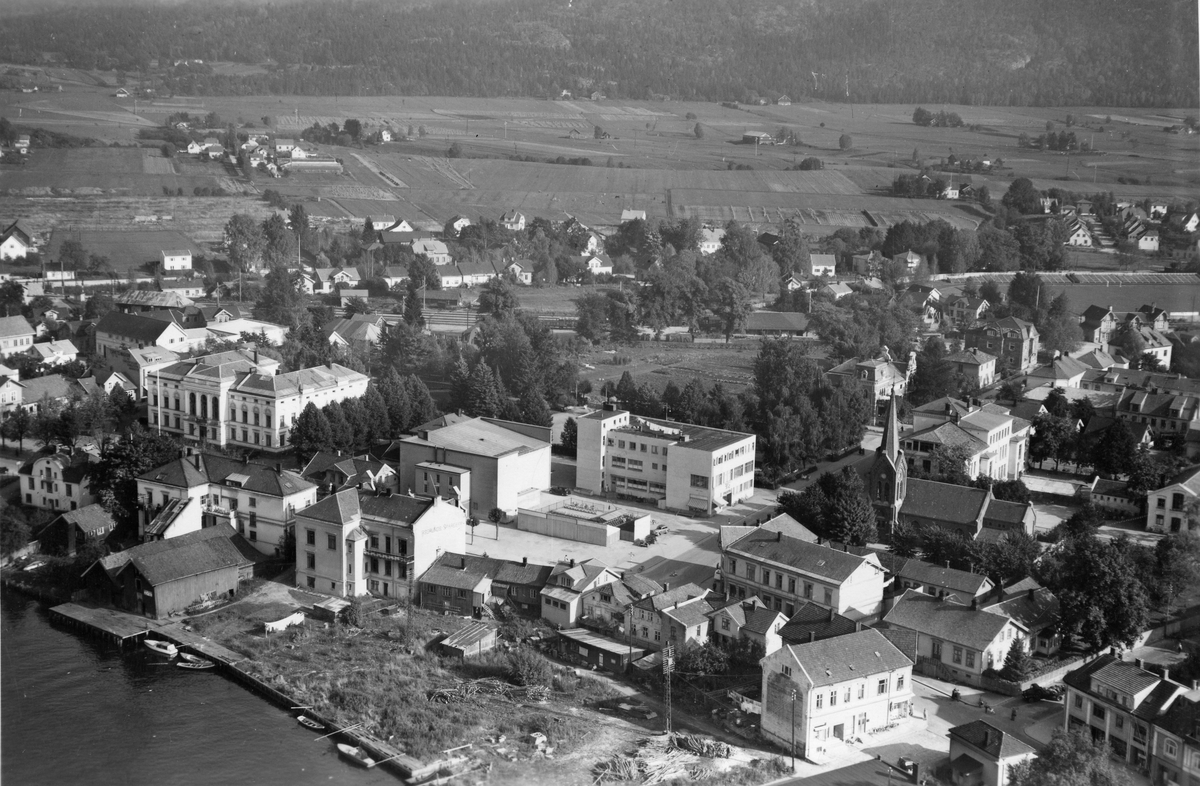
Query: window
(1098, 711)
(828, 596)
(791, 587)
(766, 577)
(699, 482)
(1170, 748)
(724, 623)
(862, 690)
(832, 698)
(936, 650)
(970, 659)
(657, 635)
(331, 541)
(956, 657)
(732, 567)
(311, 560)
(310, 537)
(900, 682)
(787, 671)
(1078, 701)
(1176, 502)
(882, 687)
(1161, 503)
(846, 696)
(820, 700)
(778, 581)
(808, 589)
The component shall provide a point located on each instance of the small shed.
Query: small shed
(584, 646)
(328, 610)
(475, 639)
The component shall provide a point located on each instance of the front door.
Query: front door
(838, 732)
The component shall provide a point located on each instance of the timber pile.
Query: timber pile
(661, 758)
(468, 690)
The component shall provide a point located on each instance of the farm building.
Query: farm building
(757, 138)
(145, 300)
(632, 215)
(16, 241)
(777, 323)
(167, 576)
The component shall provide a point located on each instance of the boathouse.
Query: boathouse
(164, 577)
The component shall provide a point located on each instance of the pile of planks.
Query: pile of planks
(656, 760)
(703, 746)
(468, 690)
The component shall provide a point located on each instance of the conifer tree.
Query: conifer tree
(341, 436)
(483, 398)
(311, 433)
(421, 405)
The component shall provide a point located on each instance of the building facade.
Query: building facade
(678, 466)
(1013, 341)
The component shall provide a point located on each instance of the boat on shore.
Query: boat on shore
(196, 664)
(162, 647)
(308, 722)
(355, 755)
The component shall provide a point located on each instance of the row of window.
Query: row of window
(766, 576)
(731, 455)
(645, 446)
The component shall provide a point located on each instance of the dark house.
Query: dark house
(165, 577)
(467, 585)
(73, 529)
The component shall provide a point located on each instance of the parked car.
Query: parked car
(1036, 692)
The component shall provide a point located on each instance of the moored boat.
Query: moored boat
(196, 664)
(162, 647)
(304, 720)
(355, 755)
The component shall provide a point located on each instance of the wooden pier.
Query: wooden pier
(117, 626)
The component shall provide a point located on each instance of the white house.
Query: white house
(176, 260)
(513, 221)
(599, 264)
(16, 242)
(710, 240)
(57, 481)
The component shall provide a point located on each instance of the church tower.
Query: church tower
(887, 478)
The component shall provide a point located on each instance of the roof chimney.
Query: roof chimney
(1032, 593)
(974, 604)
(278, 467)
(462, 562)
(1166, 672)
(812, 636)
(987, 737)
(572, 562)
(1141, 664)
(832, 611)
(779, 535)
(524, 561)
(666, 586)
(197, 460)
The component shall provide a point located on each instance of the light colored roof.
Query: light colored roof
(15, 326)
(480, 437)
(944, 619)
(850, 657)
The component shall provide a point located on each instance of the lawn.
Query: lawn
(125, 250)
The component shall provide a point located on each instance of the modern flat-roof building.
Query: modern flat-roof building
(678, 465)
(509, 463)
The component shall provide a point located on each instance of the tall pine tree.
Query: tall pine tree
(311, 433)
(483, 398)
(422, 408)
(340, 434)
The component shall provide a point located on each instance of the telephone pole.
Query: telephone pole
(668, 667)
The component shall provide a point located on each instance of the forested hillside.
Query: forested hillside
(1007, 52)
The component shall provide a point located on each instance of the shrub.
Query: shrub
(527, 667)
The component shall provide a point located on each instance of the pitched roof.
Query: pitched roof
(1036, 609)
(672, 596)
(1123, 676)
(15, 326)
(950, 434)
(150, 298)
(1005, 511)
(928, 574)
(90, 518)
(132, 326)
(992, 741)
(946, 620)
(56, 386)
(943, 501)
(972, 356)
(203, 468)
(849, 657)
(777, 320)
(160, 561)
(801, 555)
(689, 613)
(336, 508)
(813, 622)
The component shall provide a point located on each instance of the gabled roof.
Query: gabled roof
(808, 557)
(849, 657)
(947, 620)
(20, 231)
(928, 574)
(1036, 608)
(11, 327)
(929, 499)
(338, 508)
(813, 623)
(161, 561)
(200, 469)
(90, 518)
(950, 434)
(973, 356)
(992, 741)
(133, 326)
(150, 298)
(670, 597)
(689, 613)
(54, 386)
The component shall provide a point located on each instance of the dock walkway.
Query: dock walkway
(202, 645)
(117, 625)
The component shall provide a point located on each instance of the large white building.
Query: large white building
(235, 399)
(57, 481)
(678, 465)
(357, 542)
(483, 462)
(203, 490)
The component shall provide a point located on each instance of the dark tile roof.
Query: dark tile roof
(992, 741)
(197, 469)
(814, 623)
(929, 574)
(669, 597)
(90, 518)
(132, 326)
(1182, 718)
(854, 656)
(56, 386)
(777, 320)
(336, 508)
(689, 613)
(457, 578)
(1005, 512)
(160, 561)
(801, 555)
(1036, 609)
(929, 499)
(504, 571)
(943, 619)
(903, 640)
(393, 507)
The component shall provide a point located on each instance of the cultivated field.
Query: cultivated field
(125, 250)
(110, 171)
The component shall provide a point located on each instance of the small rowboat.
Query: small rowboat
(304, 720)
(355, 755)
(162, 647)
(196, 664)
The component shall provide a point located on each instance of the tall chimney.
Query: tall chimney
(987, 737)
(196, 458)
(524, 561)
(572, 562)
(666, 586)
(812, 636)
(1141, 664)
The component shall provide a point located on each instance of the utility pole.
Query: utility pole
(793, 732)
(668, 667)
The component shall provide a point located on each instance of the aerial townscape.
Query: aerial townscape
(647, 394)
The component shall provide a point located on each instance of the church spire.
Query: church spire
(890, 445)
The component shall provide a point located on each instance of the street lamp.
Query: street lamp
(793, 732)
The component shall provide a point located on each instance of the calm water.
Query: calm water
(74, 710)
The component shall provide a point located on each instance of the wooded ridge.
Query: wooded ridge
(1015, 52)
